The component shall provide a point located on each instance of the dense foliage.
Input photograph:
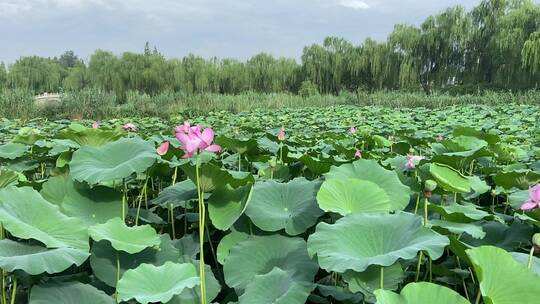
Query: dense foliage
(496, 46)
(335, 205)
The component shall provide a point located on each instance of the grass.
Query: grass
(96, 104)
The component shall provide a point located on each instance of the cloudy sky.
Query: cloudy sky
(226, 28)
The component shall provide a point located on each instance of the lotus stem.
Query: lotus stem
(281, 152)
(417, 203)
(117, 276)
(171, 211)
(201, 235)
(239, 162)
(382, 277)
(430, 269)
(531, 254)
(175, 174)
(426, 202)
(143, 193)
(14, 291)
(478, 296)
(417, 276)
(124, 199)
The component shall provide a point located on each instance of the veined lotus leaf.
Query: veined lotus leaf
(523, 259)
(26, 215)
(211, 176)
(501, 235)
(226, 205)
(103, 258)
(68, 293)
(9, 177)
(291, 206)
(12, 150)
(315, 165)
(177, 193)
(276, 287)
(260, 254)
(93, 206)
(35, 259)
(445, 227)
(193, 295)
(424, 292)
(369, 280)
(237, 145)
(359, 240)
(346, 196)
(478, 187)
(148, 283)
(228, 242)
(521, 179)
(449, 179)
(90, 136)
(129, 239)
(112, 161)
(509, 282)
(370, 170)
(459, 213)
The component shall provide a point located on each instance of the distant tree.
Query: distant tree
(69, 60)
(3, 76)
(36, 73)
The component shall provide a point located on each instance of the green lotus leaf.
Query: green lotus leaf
(237, 145)
(129, 239)
(445, 227)
(193, 295)
(211, 176)
(359, 240)
(370, 170)
(459, 213)
(26, 215)
(449, 179)
(177, 193)
(103, 258)
(478, 187)
(112, 161)
(93, 206)
(258, 255)
(228, 242)
(148, 283)
(521, 179)
(34, 259)
(317, 166)
(89, 136)
(509, 282)
(501, 235)
(276, 286)
(9, 177)
(424, 292)
(227, 204)
(346, 196)
(291, 206)
(369, 280)
(523, 259)
(12, 150)
(68, 293)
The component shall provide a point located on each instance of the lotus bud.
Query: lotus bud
(536, 239)
(430, 185)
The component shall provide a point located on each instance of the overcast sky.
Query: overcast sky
(226, 28)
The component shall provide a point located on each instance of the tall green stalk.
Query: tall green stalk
(202, 215)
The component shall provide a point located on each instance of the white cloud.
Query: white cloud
(354, 4)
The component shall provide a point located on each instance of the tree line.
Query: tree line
(496, 46)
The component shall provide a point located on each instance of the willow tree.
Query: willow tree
(3, 76)
(405, 43)
(36, 73)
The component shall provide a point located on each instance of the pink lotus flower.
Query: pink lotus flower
(95, 125)
(194, 141)
(534, 199)
(130, 127)
(412, 160)
(352, 130)
(358, 154)
(163, 148)
(281, 134)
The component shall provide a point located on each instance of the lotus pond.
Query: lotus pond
(335, 205)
